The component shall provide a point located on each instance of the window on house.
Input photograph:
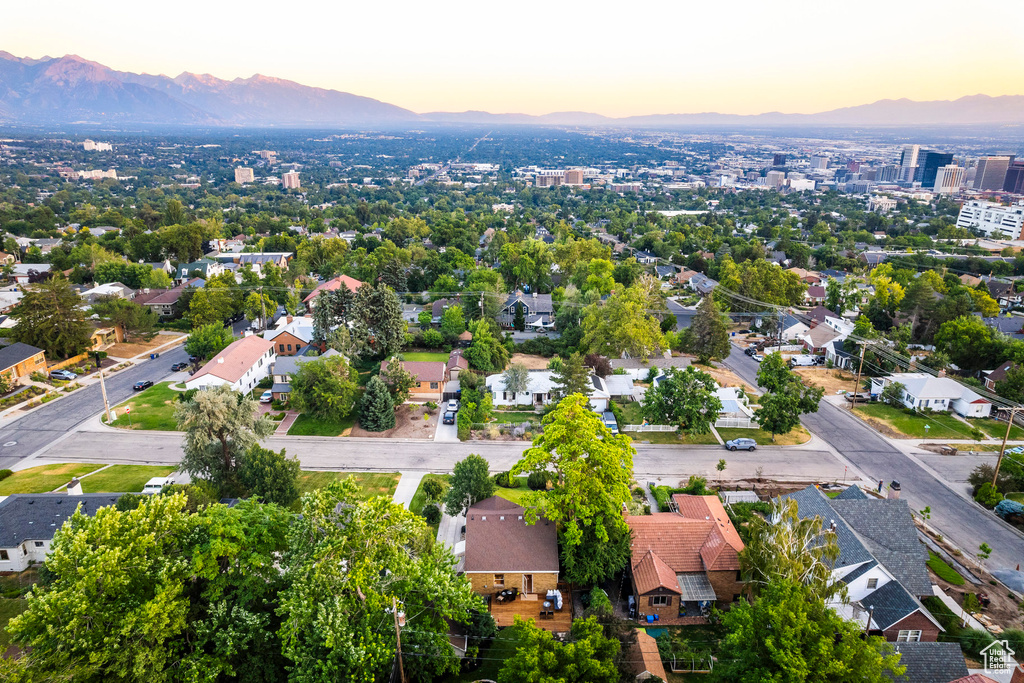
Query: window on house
(739, 575)
(872, 583)
(433, 385)
(504, 396)
(660, 601)
(908, 636)
(4, 556)
(289, 347)
(280, 347)
(499, 580)
(39, 544)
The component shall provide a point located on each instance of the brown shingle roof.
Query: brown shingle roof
(456, 360)
(233, 362)
(331, 285)
(498, 539)
(422, 370)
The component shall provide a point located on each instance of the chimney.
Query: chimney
(220, 359)
(1018, 674)
(894, 490)
(75, 487)
(290, 320)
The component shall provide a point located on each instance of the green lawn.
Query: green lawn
(425, 356)
(124, 478)
(515, 418)
(44, 478)
(371, 483)
(941, 425)
(419, 499)
(8, 610)
(997, 429)
(494, 655)
(310, 426)
(151, 409)
(1017, 496)
(674, 438)
(797, 436)
(516, 495)
(943, 570)
(631, 412)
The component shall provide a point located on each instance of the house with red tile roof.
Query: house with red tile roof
(241, 366)
(684, 561)
(331, 285)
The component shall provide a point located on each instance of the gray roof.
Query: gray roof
(16, 353)
(813, 503)
(852, 493)
(931, 662)
(289, 365)
(892, 603)
(860, 571)
(887, 529)
(37, 516)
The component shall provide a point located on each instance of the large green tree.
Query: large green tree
(453, 321)
(470, 483)
(208, 340)
(158, 593)
(220, 426)
(786, 397)
(377, 411)
(624, 323)
(592, 470)
(49, 316)
(379, 325)
(709, 332)
(789, 634)
(588, 657)
(968, 342)
(486, 353)
(325, 388)
(571, 377)
(349, 561)
(683, 397)
(133, 319)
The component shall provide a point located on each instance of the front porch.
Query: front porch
(531, 606)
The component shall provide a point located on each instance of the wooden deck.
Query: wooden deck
(504, 614)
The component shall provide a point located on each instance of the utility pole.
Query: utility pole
(398, 639)
(263, 310)
(867, 627)
(106, 403)
(1002, 449)
(856, 387)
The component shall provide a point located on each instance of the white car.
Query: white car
(267, 396)
(452, 406)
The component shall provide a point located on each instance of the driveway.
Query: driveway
(446, 433)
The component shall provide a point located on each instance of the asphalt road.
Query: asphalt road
(45, 425)
(964, 522)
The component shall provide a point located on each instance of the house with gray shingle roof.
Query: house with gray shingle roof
(29, 521)
(932, 662)
(881, 562)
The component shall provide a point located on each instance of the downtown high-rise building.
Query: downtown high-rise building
(244, 175)
(948, 179)
(928, 163)
(908, 162)
(1014, 181)
(290, 180)
(779, 159)
(990, 173)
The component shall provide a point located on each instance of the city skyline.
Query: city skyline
(648, 58)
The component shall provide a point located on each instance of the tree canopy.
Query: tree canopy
(325, 388)
(685, 398)
(50, 317)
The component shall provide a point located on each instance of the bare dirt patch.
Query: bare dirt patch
(140, 346)
(409, 424)
(530, 361)
(831, 380)
(724, 377)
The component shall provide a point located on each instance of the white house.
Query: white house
(922, 390)
(241, 366)
(538, 392)
(28, 522)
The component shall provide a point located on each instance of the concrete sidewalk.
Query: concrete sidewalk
(450, 530)
(407, 486)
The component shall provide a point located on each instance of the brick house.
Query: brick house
(20, 360)
(431, 376)
(684, 561)
(295, 335)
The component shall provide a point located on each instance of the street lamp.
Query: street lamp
(926, 428)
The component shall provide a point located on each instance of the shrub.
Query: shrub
(599, 601)
(506, 480)
(432, 514)
(987, 495)
(538, 481)
(433, 489)
(943, 570)
(4, 474)
(463, 430)
(972, 641)
(1014, 639)
(971, 603)
(696, 486)
(265, 383)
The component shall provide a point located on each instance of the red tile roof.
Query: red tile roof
(651, 573)
(233, 362)
(350, 282)
(649, 660)
(498, 539)
(710, 508)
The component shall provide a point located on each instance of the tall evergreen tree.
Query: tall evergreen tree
(378, 411)
(573, 377)
(710, 336)
(519, 320)
(379, 325)
(50, 317)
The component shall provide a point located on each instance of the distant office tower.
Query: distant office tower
(548, 179)
(244, 175)
(949, 179)
(887, 173)
(90, 146)
(928, 163)
(819, 162)
(1014, 178)
(908, 163)
(774, 179)
(779, 160)
(267, 154)
(991, 219)
(574, 176)
(991, 172)
(853, 166)
(290, 180)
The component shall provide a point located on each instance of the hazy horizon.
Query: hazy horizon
(611, 59)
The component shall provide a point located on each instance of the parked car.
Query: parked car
(452, 406)
(449, 418)
(750, 350)
(608, 417)
(267, 396)
(193, 359)
(177, 367)
(758, 357)
(144, 384)
(65, 375)
(737, 444)
(802, 360)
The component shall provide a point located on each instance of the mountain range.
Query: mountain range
(69, 89)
